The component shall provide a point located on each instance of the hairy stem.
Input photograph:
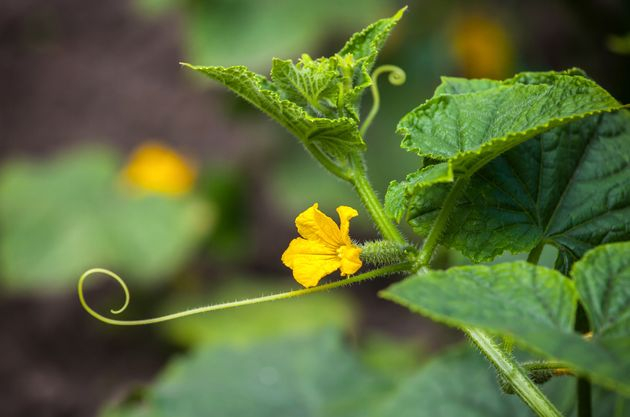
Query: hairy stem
(514, 374)
(373, 205)
(432, 240)
(387, 270)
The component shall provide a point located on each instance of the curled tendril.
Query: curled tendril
(390, 269)
(396, 77)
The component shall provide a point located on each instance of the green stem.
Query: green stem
(373, 205)
(433, 238)
(523, 386)
(534, 255)
(386, 270)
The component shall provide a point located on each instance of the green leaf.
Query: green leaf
(63, 216)
(602, 278)
(468, 123)
(336, 137)
(532, 305)
(569, 187)
(516, 299)
(473, 126)
(312, 85)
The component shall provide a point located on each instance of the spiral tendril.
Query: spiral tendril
(396, 77)
(387, 270)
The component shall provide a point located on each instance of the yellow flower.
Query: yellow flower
(323, 248)
(154, 167)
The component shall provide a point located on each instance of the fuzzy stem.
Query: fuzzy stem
(432, 240)
(514, 374)
(373, 205)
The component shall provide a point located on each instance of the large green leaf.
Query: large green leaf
(316, 100)
(61, 217)
(469, 123)
(533, 305)
(512, 298)
(569, 187)
(472, 126)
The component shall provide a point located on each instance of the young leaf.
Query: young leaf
(569, 187)
(315, 100)
(532, 305)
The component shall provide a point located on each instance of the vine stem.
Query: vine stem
(373, 205)
(524, 387)
(386, 270)
(432, 240)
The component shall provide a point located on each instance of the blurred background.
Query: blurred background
(114, 156)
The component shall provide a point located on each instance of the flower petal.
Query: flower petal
(350, 259)
(314, 225)
(310, 261)
(345, 214)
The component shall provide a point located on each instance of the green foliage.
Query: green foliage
(311, 375)
(315, 100)
(569, 187)
(318, 375)
(535, 307)
(61, 217)
(566, 183)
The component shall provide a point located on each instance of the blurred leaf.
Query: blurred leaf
(245, 325)
(232, 32)
(319, 376)
(312, 375)
(226, 188)
(61, 217)
(458, 383)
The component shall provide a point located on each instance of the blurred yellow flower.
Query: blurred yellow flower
(323, 248)
(482, 47)
(157, 168)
